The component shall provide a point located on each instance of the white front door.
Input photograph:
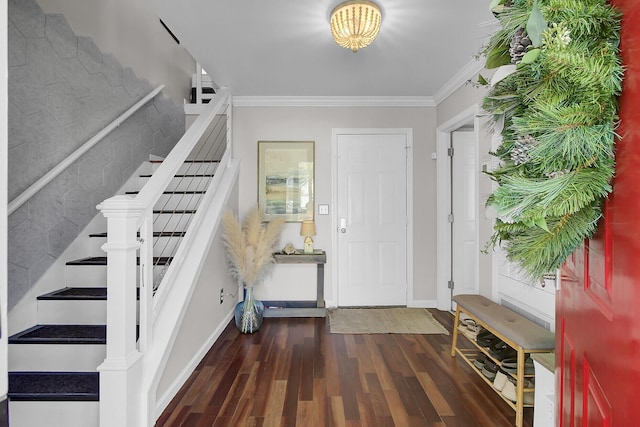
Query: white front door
(464, 194)
(371, 173)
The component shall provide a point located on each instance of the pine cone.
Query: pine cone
(520, 42)
(557, 174)
(521, 148)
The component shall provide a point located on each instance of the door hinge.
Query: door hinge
(450, 218)
(450, 284)
(450, 151)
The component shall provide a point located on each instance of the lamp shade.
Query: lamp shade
(355, 24)
(308, 228)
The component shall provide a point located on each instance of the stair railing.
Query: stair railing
(130, 372)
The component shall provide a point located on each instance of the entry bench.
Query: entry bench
(519, 333)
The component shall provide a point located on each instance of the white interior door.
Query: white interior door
(371, 173)
(464, 201)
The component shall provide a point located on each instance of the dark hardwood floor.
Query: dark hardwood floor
(293, 372)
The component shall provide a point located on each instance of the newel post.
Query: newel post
(121, 372)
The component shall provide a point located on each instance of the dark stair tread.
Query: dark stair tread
(189, 161)
(73, 294)
(102, 260)
(171, 192)
(189, 175)
(61, 334)
(176, 211)
(54, 386)
(76, 294)
(155, 234)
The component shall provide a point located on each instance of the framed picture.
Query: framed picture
(285, 180)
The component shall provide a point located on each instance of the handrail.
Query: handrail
(151, 192)
(23, 197)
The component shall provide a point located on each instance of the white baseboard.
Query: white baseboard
(424, 303)
(182, 378)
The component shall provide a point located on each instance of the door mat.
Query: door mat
(383, 321)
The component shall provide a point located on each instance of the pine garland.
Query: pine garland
(559, 74)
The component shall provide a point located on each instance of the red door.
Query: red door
(598, 305)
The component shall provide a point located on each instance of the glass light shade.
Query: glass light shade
(355, 24)
(308, 228)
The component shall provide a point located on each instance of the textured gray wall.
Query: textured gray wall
(62, 91)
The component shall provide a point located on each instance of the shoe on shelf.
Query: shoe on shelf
(485, 338)
(500, 380)
(500, 350)
(489, 369)
(510, 365)
(509, 391)
(469, 329)
(479, 361)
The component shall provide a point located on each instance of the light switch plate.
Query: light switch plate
(323, 209)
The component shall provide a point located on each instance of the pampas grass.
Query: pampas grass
(250, 247)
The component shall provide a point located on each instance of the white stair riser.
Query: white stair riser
(54, 414)
(56, 357)
(191, 168)
(91, 276)
(162, 246)
(72, 312)
(187, 183)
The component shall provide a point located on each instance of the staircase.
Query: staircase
(53, 379)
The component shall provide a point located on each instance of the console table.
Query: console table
(300, 308)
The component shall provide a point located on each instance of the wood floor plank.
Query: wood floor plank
(294, 372)
(435, 397)
(337, 412)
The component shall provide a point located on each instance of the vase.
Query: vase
(249, 313)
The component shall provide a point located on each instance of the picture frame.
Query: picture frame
(286, 175)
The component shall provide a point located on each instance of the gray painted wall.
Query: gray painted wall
(62, 91)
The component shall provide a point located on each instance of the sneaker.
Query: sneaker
(479, 362)
(500, 380)
(509, 391)
(490, 369)
(510, 365)
(500, 350)
(486, 338)
(469, 330)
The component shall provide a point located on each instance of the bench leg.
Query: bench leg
(454, 341)
(520, 389)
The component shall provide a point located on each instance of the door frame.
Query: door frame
(443, 196)
(335, 132)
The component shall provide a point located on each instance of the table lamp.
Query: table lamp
(308, 229)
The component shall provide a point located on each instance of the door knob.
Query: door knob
(343, 225)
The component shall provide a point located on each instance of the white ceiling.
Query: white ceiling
(284, 47)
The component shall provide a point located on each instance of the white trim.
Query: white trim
(443, 192)
(183, 376)
(4, 105)
(458, 79)
(60, 167)
(408, 132)
(333, 101)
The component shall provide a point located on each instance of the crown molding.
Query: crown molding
(460, 78)
(333, 101)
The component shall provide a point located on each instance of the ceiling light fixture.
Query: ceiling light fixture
(355, 24)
